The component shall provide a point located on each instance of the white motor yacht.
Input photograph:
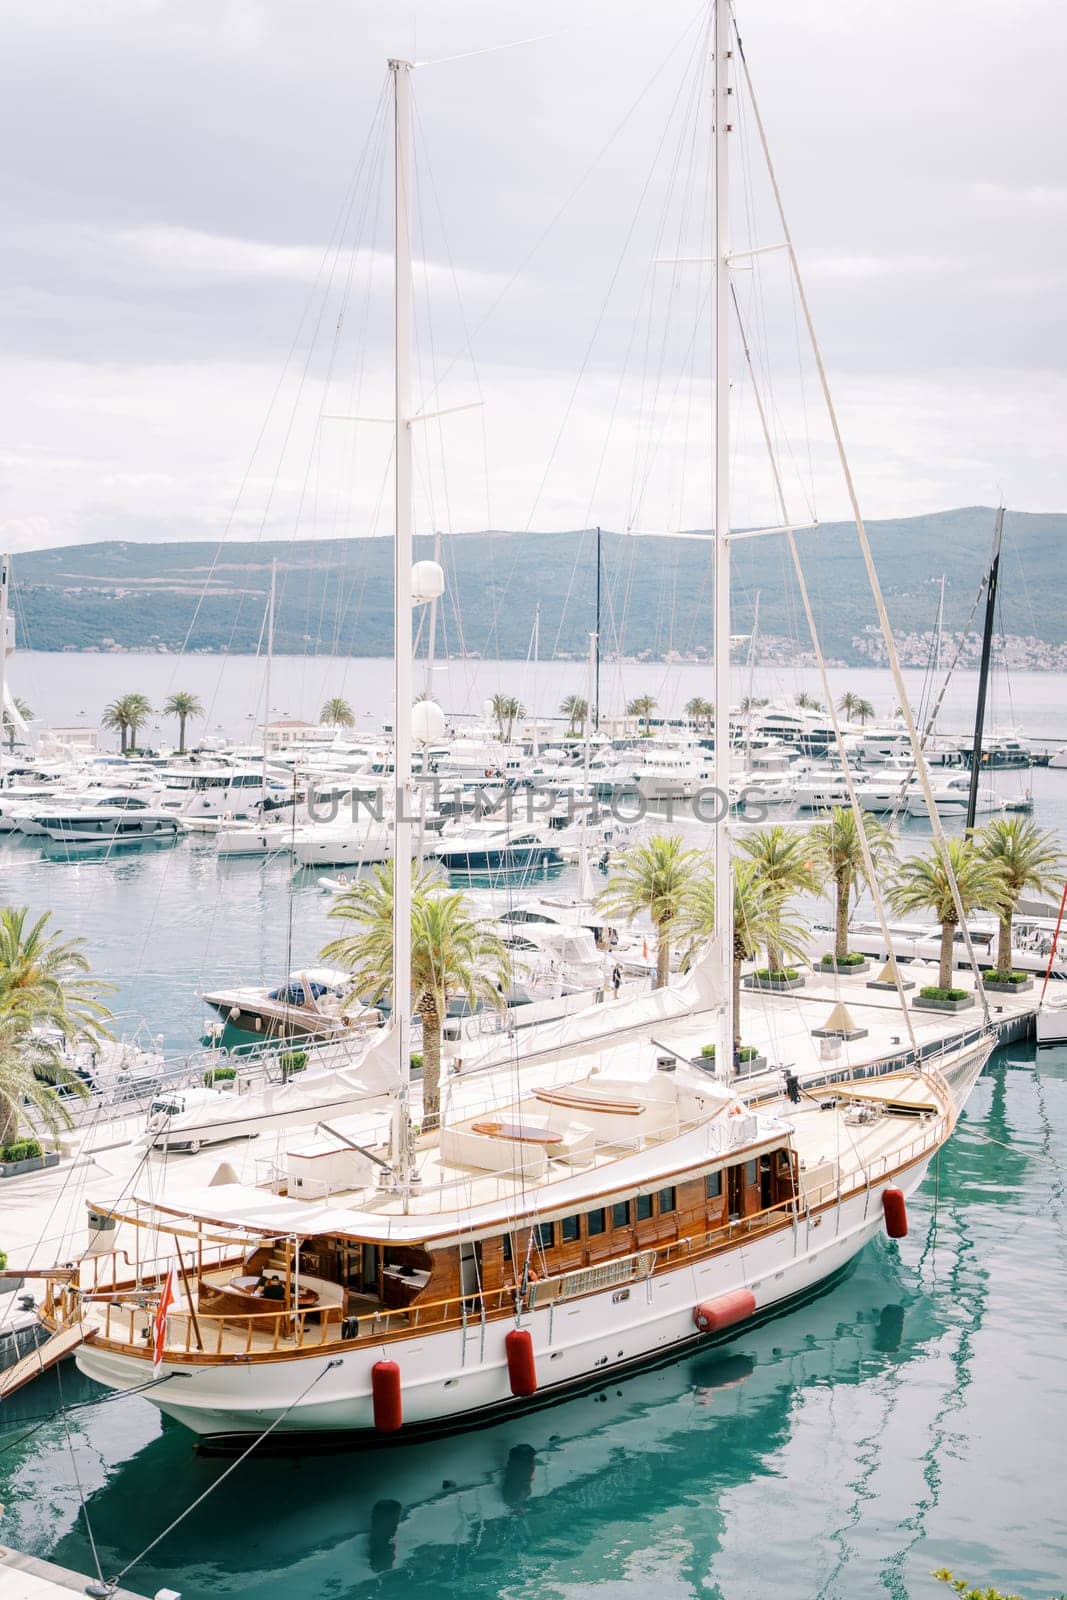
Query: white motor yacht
(131, 822)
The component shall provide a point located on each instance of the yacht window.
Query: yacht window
(570, 1229)
(752, 1172)
(596, 1222)
(713, 1186)
(507, 1247)
(644, 1207)
(666, 1201)
(620, 1214)
(543, 1234)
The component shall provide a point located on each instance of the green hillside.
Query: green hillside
(335, 596)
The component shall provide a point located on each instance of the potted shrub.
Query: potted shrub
(746, 1056)
(777, 978)
(8, 1285)
(291, 1062)
(854, 961)
(935, 998)
(217, 1077)
(20, 1156)
(1007, 982)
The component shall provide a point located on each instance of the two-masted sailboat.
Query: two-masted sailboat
(561, 1223)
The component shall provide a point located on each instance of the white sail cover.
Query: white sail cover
(600, 1027)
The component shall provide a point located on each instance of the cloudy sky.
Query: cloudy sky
(195, 268)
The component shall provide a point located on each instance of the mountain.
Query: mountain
(335, 596)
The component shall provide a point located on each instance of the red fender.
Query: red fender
(522, 1368)
(711, 1316)
(896, 1213)
(385, 1392)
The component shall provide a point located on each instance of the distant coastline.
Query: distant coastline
(335, 595)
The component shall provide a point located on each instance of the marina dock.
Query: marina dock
(27, 1578)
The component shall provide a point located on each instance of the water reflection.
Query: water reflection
(536, 1491)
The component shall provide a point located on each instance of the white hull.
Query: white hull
(458, 1377)
(1052, 1024)
(324, 847)
(255, 841)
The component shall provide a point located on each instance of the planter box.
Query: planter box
(890, 988)
(845, 1035)
(943, 1005)
(991, 986)
(775, 985)
(843, 967)
(750, 1065)
(15, 1169)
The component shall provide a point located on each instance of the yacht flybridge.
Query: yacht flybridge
(573, 1209)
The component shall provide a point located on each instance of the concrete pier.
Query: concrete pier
(27, 1578)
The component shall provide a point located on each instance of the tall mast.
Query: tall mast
(267, 681)
(431, 642)
(940, 627)
(596, 685)
(536, 661)
(402, 653)
(983, 675)
(723, 942)
(4, 561)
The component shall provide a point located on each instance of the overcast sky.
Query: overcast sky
(179, 335)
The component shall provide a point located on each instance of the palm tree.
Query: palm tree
(751, 703)
(451, 954)
(124, 716)
(337, 713)
(699, 710)
(864, 712)
(840, 848)
(1026, 857)
(786, 865)
(9, 722)
(757, 918)
(848, 703)
(46, 1002)
(653, 877)
(807, 702)
(183, 705)
(576, 710)
(499, 704)
(923, 884)
(512, 710)
(642, 708)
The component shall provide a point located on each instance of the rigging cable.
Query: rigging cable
(256, 1442)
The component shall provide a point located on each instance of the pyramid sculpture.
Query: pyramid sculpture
(840, 1024)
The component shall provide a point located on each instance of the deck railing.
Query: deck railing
(126, 1309)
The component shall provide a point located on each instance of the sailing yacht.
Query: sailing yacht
(433, 1268)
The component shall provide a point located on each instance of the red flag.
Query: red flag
(159, 1321)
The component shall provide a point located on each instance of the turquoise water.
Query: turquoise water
(911, 1417)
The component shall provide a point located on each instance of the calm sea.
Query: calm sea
(912, 1417)
(74, 689)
